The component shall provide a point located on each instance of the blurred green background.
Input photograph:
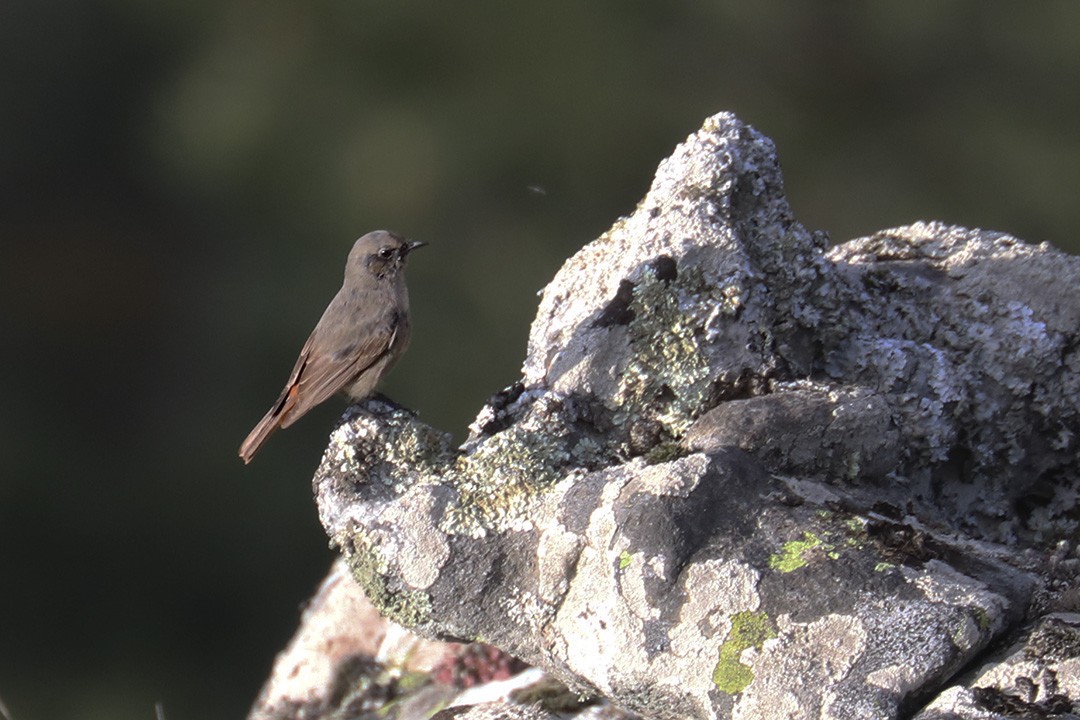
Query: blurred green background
(180, 181)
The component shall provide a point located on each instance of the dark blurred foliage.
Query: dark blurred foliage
(181, 180)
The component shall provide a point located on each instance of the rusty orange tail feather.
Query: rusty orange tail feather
(258, 436)
(271, 421)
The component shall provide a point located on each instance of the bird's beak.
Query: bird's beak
(413, 246)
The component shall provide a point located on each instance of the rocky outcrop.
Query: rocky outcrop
(744, 474)
(1038, 677)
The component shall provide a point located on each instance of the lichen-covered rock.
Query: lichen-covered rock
(1038, 677)
(346, 661)
(743, 475)
(340, 632)
(972, 338)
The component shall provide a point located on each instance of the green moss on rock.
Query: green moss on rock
(748, 630)
(792, 555)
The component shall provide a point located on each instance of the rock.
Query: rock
(743, 475)
(1038, 677)
(340, 630)
(347, 661)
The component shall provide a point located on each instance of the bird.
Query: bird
(362, 333)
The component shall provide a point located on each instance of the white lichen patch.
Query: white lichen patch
(635, 588)
(792, 671)
(556, 554)
(524, 609)
(899, 678)
(421, 551)
(715, 590)
(677, 478)
(596, 622)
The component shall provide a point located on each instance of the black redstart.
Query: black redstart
(362, 333)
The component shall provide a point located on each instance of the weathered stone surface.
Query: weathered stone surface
(1036, 678)
(347, 661)
(339, 629)
(743, 475)
(495, 711)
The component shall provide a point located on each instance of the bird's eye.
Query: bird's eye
(386, 253)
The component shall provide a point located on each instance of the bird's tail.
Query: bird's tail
(255, 439)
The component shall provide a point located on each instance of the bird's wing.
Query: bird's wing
(319, 374)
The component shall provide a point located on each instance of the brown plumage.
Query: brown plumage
(360, 336)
